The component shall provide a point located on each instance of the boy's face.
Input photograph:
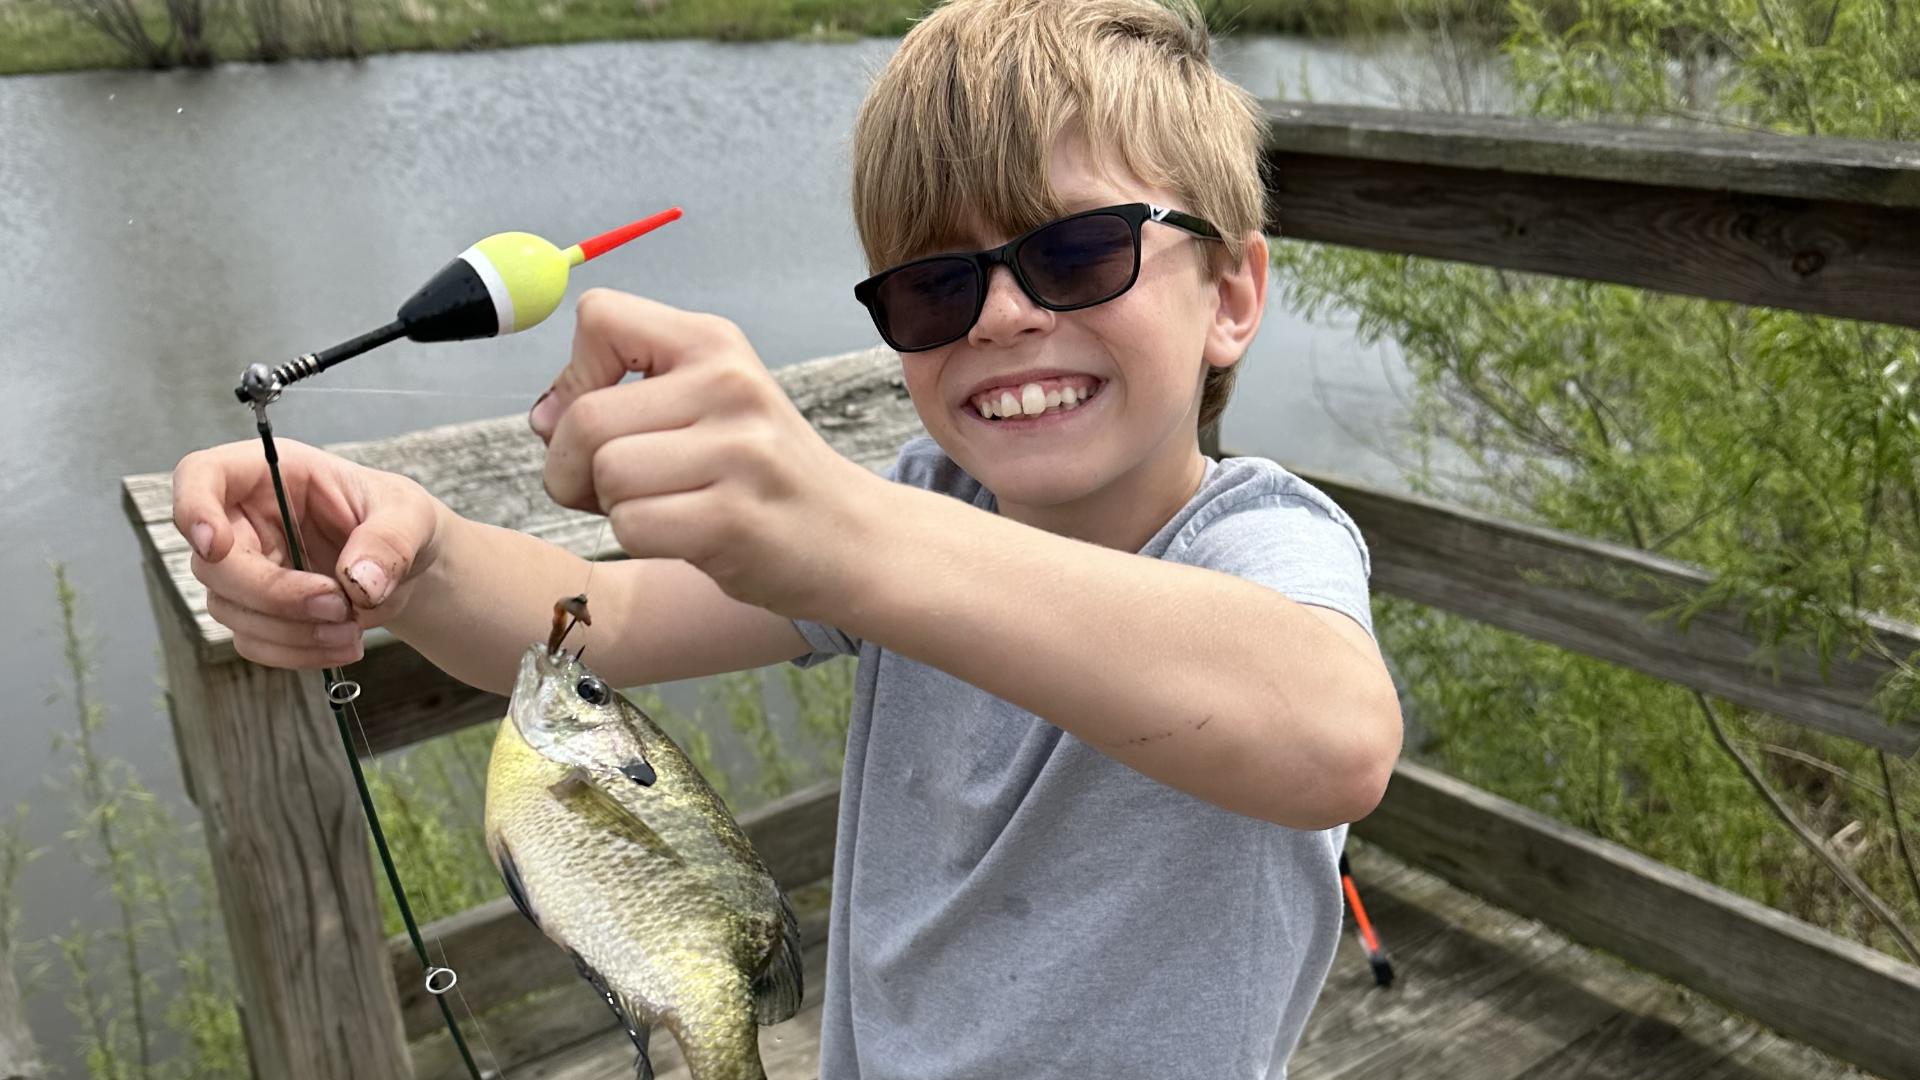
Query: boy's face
(1133, 365)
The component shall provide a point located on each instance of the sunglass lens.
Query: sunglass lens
(928, 303)
(1082, 260)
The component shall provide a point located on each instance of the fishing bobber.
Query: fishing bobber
(508, 282)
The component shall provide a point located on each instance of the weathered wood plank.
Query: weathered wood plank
(1846, 999)
(1437, 1021)
(1414, 1029)
(545, 1025)
(490, 471)
(288, 845)
(1602, 600)
(789, 1050)
(500, 956)
(1820, 256)
(1868, 171)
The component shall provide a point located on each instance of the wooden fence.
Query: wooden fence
(1817, 225)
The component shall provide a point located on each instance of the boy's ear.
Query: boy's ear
(1241, 296)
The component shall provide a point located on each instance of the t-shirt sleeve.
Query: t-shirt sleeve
(1296, 542)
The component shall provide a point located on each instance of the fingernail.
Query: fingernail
(328, 607)
(544, 412)
(201, 537)
(337, 633)
(371, 579)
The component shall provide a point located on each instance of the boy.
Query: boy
(1115, 703)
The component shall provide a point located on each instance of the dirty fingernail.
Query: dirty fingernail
(545, 411)
(201, 537)
(336, 633)
(327, 607)
(372, 580)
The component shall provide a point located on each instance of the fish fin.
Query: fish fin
(778, 989)
(510, 874)
(637, 1029)
(581, 788)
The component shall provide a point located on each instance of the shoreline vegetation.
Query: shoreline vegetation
(39, 36)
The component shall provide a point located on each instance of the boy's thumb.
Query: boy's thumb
(375, 559)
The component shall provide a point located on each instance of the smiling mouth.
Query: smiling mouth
(1027, 401)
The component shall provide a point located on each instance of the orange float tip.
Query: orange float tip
(607, 241)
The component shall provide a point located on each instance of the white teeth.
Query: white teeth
(1033, 400)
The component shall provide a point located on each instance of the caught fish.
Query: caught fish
(614, 845)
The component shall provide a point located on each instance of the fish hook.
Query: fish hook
(574, 606)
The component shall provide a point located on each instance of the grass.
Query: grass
(44, 35)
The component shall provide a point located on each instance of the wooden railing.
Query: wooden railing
(1824, 226)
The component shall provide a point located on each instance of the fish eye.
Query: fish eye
(592, 690)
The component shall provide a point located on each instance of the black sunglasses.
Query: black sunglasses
(1075, 262)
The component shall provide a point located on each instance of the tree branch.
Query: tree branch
(1808, 838)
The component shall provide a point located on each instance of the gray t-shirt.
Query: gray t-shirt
(1010, 902)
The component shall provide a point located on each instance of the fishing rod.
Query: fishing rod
(1377, 958)
(508, 282)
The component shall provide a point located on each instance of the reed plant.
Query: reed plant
(151, 990)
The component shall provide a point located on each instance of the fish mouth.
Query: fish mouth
(537, 666)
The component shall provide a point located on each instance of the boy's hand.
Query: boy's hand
(373, 531)
(705, 459)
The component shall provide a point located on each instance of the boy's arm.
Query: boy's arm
(1201, 680)
(490, 593)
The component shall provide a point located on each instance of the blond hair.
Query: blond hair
(960, 125)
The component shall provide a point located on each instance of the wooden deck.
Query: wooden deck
(1479, 993)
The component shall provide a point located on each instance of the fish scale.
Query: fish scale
(652, 887)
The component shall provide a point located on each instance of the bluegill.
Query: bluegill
(613, 844)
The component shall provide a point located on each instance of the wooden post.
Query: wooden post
(291, 858)
(19, 1059)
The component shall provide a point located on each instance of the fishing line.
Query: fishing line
(499, 1069)
(303, 390)
(593, 554)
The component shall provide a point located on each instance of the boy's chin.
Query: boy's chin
(1032, 481)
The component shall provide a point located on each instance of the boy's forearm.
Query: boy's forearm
(1203, 681)
(488, 595)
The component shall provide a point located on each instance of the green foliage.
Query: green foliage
(431, 800)
(1774, 448)
(49, 35)
(823, 696)
(153, 993)
(741, 694)
(14, 857)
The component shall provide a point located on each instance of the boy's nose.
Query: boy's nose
(1009, 313)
